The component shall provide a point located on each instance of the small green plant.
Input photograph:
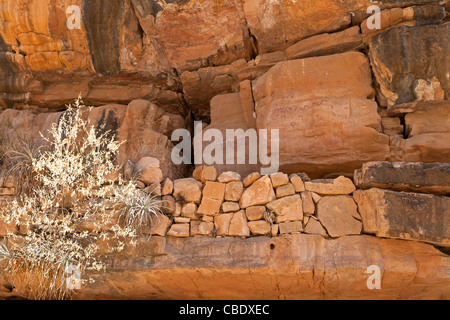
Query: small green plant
(74, 206)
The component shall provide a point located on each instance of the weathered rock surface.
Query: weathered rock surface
(267, 267)
(278, 25)
(294, 97)
(315, 227)
(260, 192)
(427, 128)
(179, 230)
(287, 209)
(325, 44)
(339, 216)
(234, 190)
(188, 189)
(260, 227)
(400, 176)
(340, 185)
(143, 126)
(416, 78)
(238, 225)
(404, 215)
(410, 16)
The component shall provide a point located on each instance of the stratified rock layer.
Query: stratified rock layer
(207, 268)
(401, 176)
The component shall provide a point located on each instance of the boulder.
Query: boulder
(234, 190)
(339, 216)
(190, 210)
(297, 182)
(230, 207)
(166, 187)
(238, 225)
(284, 191)
(209, 206)
(290, 227)
(255, 213)
(315, 227)
(260, 192)
(229, 176)
(259, 228)
(148, 171)
(287, 209)
(179, 230)
(222, 223)
(201, 228)
(213, 195)
(214, 190)
(428, 117)
(205, 173)
(277, 25)
(187, 189)
(252, 177)
(181, 220)
(168, 205)
(228, 117)
(308, 204)
(325, 44)
(279, 179)
(161, 225)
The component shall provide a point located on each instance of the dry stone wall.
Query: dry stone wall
(228, 205)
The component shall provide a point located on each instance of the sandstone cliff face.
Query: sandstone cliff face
(343, 96)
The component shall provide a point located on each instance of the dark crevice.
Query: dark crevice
(444, 250)
(253, 49)
(403, 123)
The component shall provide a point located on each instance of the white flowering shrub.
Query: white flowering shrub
(79, 200)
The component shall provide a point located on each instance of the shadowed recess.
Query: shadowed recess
(5, 65)
(102, 20)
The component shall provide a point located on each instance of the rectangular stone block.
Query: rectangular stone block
(214, 190)
(210, 207)
(402, 176)
(402, 215)
(179, 230)
(201, 228)
(290, 227)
